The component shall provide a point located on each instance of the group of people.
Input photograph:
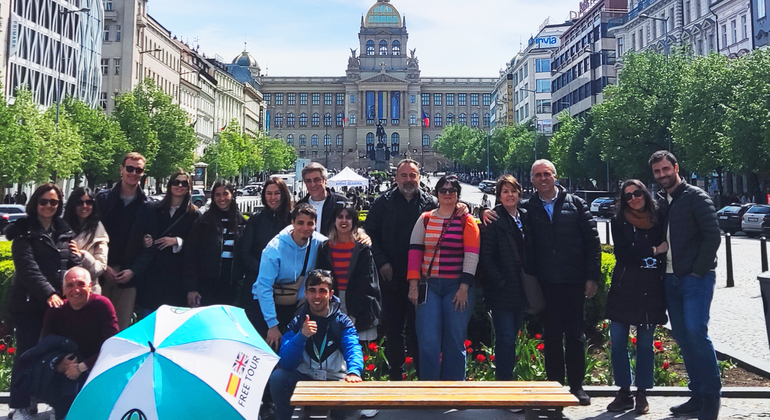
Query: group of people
(317, 284)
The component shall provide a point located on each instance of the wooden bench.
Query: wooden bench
(538, 399)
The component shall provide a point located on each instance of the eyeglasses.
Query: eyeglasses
(316, 180)
(180, 183)
(48, 201)
(89, 203)
(631, 195)
(447, 190)
(130, 169)
(317, 272)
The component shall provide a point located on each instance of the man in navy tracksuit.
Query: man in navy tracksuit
(320, 344)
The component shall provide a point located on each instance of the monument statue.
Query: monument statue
(381, 136)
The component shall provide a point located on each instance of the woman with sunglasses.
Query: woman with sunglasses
(92, 241)
(211, 268)
(163, 229)
(443, 255)
(41, 254)
(352, 266)
(636, 296)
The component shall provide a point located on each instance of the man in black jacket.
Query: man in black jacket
(567, 262)
(693, 240)
(389, 223)
(314, 175)
(118, 208)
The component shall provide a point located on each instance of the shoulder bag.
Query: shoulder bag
(535, 300)
(287, 294)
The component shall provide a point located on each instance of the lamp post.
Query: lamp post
(665, 29)
(62, 13)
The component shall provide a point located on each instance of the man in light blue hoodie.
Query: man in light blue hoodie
(291, 254)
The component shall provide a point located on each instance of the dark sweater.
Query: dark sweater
(89, 327)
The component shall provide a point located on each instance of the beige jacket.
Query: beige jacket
(94, 252)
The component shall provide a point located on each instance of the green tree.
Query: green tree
(17, 152)
(463, 144)
(132, 111)
(566, 145)
(277, 154)
(60, 147)
(225, 157)
(522, 140)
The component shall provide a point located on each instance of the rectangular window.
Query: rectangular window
(103, 100)
(303, 98)
(487, 99)
(697, 9)
(117, 32)
(761, 9)
(543, 106)
(734, 29)
(450, 99)
(316, 99)
(412, 99)
(291, 98)
(474, 99)
(543, 85)
(117, 66)
(279, 98)
(352, 99)
(461, 99)
(107, 6)
(437, 99)
(542, 65)
(724, 36)
(425, 99)
(353, 118)
(745, 27)
(105, 66)
(620, 46)
(267, 98)
(412, 119)
(687, 15)
(340, 99)
(106, 33)
(526, 70)
(328, 98)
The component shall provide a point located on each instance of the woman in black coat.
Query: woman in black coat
(636, 296)
(164, 229)
(502, 256)
(42, 252)
(212, 269)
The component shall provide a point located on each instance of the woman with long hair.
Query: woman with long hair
(163, 229)
(352, 267)
(260, 229)
(443, 255)
(91, 241)
(41, 252)
(211, 266)
(636, 296)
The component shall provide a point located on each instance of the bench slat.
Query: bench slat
(431, 384)
(453, 401)
(397, 393)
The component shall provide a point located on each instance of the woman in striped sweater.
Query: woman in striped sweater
(443, 256)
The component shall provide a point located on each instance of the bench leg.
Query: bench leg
(314, 413)
(540, 413)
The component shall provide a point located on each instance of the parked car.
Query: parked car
(10, 213)
(603, 207)
(249, 190)
(730, 217)
(198, 197)
(756, 220)
(487, 186)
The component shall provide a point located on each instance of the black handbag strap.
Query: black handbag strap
(168, 229)
(438, 244)
(307, 256)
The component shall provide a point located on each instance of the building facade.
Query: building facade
(733, 22)
(333, 120)
(760, 23)
(54, 49)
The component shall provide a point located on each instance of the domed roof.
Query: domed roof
(245, 60)
(383, 14)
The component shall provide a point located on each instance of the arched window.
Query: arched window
(328, 120)
(383, 47)
(370, 47)
(487, 119)
(395, 142)
(303, 120)
(450, 119)
(290, 119)
(314, 140)
(278, 119)
(474, 120)
(316, 120)
(426, 140)
(290, 139)
(327, 140)
(369, 142)
(302, 140)
(396, 47)
(340, 118)
(462, 119)
(437, 120)
(339, 139)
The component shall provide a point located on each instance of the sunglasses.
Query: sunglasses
(86, 203)
(180, 183)
(46, 201)
(631, 195)
(318, 272)
(447, 190)
(130, 169)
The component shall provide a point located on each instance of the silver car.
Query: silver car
(756, 220)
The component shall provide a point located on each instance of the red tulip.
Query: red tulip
(468, 343)
(370, 367)
(409, 360)
(11, 350)
(373, 346)
(481, 357)
(469, 350)
(538, 337)
(491, 357)
(665, 365)
(540, 347)
(659, 345)
(366, 358)
(633, 340)
(2, 347)
(604, 326)
(403, 376)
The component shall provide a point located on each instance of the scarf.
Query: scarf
(640, 219)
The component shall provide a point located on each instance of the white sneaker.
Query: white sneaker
(21, 414)
(367, 414)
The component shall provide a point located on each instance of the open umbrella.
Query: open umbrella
(179, 363)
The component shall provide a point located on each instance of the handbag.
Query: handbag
(287, 294)
(535, 299)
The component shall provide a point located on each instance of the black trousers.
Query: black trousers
(398, 317)
(27, 333)
(563, 333)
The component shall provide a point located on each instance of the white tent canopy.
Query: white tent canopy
(347, 178)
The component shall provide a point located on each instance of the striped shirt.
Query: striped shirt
(341, 255)
(228, 239)
(457, 255)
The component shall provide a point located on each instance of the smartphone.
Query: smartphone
(422, 293)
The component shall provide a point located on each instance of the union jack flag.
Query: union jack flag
(240, 363)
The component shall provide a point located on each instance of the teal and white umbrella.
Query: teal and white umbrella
(179, 363)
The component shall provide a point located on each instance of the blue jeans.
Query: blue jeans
(282, 384)
(645, 355)
(507, 324)
(441, 331)
(689, 302)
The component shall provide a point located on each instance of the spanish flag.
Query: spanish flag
(233, 384)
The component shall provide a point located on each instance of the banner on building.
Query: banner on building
(369, 105)
(395, 105)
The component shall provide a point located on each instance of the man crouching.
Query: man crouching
(320, 344)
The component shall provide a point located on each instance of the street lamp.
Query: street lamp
(665, 28)
(62, 13)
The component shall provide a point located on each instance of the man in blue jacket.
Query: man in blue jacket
(320, 344)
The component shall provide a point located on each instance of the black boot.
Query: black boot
(642, 406)
(692, 406)
(623, 401)
(710, 407)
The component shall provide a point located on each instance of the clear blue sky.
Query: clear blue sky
(313, 38)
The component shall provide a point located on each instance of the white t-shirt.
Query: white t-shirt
(319, 208)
